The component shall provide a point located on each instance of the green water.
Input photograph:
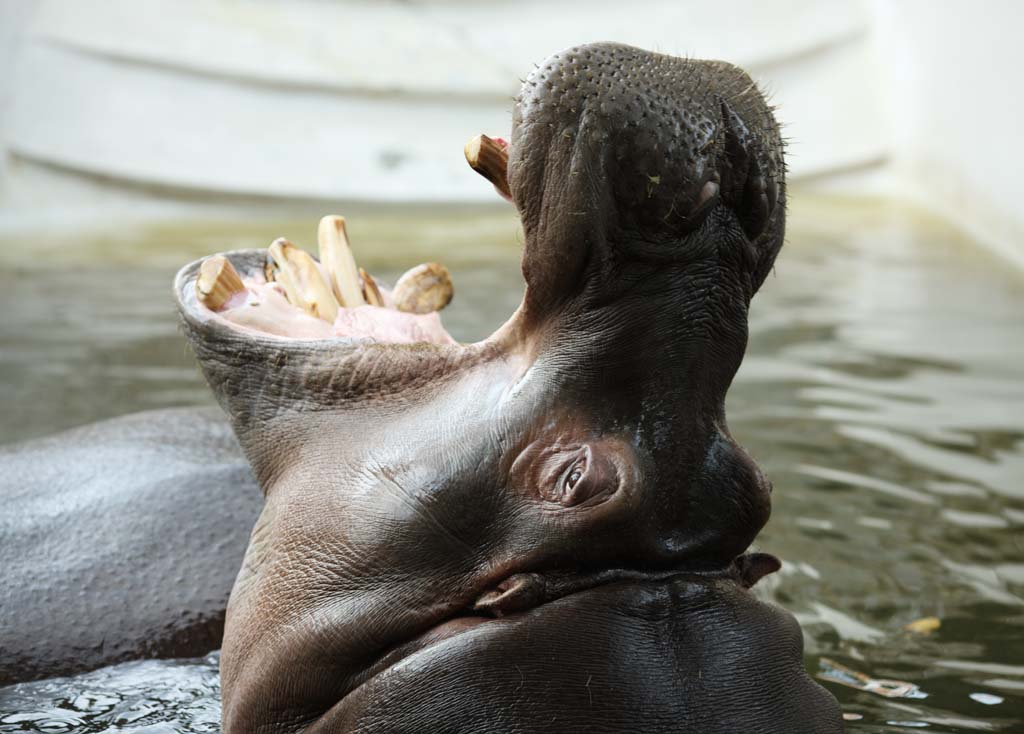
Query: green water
(883, 392)
(90, 330)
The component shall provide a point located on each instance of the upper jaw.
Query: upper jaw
(610, 140)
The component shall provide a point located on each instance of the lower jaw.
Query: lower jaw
(434, 636)
(631, 639)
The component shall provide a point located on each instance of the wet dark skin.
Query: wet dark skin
(120, 540)
(544, 531)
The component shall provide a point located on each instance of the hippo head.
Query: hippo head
(543, 531)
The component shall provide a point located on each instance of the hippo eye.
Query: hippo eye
(572, 483)
(573, 475)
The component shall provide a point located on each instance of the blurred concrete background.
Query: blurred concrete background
(159, 109)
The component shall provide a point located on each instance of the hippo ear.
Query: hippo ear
(752, 567)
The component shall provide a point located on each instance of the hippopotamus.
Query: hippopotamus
(120, 540)
(546, 530)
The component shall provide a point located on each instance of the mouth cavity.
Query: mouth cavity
(296, 296)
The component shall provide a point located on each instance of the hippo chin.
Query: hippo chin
(543, 531)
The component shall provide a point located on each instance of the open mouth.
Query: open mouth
(295, 296)
(287, 293)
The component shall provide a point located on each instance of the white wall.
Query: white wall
(954, 96)
(15, 16)
(171, 107)
(165, 107)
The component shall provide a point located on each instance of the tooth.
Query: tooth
(489, 158)
(336, 256)
(425, 288)
(370, 289)
(218, 281)
(298, 274)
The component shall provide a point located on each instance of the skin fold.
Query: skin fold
(543, 531)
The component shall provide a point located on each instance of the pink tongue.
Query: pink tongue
(388, 325)
(504, 144)
(264, 307)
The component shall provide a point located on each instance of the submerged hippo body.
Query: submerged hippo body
(544, 531)
(119, 541)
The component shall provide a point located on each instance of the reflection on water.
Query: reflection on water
(146, 697)
(883, 393)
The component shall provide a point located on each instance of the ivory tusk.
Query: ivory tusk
(423, 289)
(370, 289)
(336, 257)
(218, 281)
(489, 158)
(298, 274)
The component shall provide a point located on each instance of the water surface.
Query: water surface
(883, 392)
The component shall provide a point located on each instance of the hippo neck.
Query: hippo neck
(653, 360)
(673, 331)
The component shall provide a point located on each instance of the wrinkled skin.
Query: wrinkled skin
(542, 531)
(120, 540)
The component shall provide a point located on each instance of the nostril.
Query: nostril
(752, 567)
(772, 192)
(754, 208)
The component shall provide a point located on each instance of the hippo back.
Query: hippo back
(120, 540)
